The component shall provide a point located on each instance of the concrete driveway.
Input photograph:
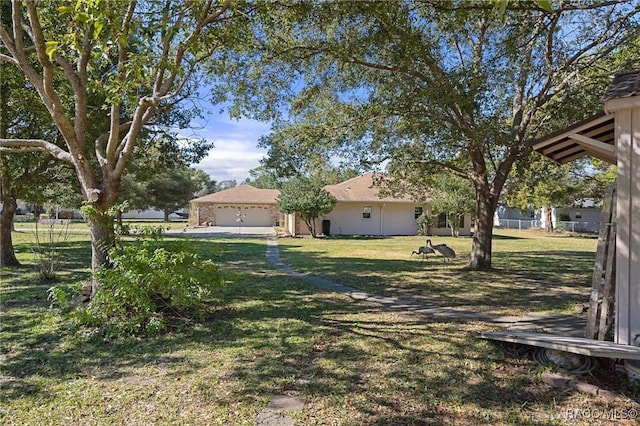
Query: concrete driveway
(224, 231)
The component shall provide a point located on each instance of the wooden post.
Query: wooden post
(627, 267)
(601, 302)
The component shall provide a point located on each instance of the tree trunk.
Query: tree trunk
(166, 214)
(7, 254)
(548, 224)
(483, 235)
(102, 240)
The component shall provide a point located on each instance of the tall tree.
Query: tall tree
(203, 183)
(139, 56)
(426, 85)
(168, 190)
(545, 184)
(25, 176)
(306, 198)
(454, 197)
(159, 175)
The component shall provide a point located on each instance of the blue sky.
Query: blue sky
(235, 151)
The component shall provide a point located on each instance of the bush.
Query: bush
(425, 223)
(564, 217)
(147, 284)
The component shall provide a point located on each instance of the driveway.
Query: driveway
(225, 231)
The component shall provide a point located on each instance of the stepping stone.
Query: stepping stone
(276, 412)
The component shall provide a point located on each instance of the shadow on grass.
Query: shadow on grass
(520, 280)
(279, 335)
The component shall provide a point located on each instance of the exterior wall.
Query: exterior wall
(226, 214)
(627, 135)
(386, 219)
(582, 219)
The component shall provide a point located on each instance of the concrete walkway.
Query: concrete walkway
(276, 413)
(224, 231)
(567, 325)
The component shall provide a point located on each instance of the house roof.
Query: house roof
(624, 85)
(594, 136)
(242, 194)
(362, 188)
(359, 189)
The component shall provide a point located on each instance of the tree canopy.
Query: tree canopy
(420, 86)
(307, 198)
(132, 60)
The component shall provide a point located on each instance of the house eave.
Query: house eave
(594, 136)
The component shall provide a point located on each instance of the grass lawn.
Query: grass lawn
(353, 363)
(532, 271)
(80, 226)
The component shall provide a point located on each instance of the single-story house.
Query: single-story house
(243, 205)
(582, 218)
(359, 210)
(152, 214)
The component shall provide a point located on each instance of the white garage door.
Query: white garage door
(251, 216)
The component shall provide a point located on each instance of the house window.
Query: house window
(578, 215)
(461, 224)
(442, 220)
(417, 212)
(366, 212)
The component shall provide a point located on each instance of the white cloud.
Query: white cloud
(231, 159)
(235, 149)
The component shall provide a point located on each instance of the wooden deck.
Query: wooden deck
(576, 345)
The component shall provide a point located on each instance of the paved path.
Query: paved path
(276, 413)
(569, 325)
(224, 231)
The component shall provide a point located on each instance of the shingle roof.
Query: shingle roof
(624, 85)
(242, 194)
(361, 188)
(358, 189)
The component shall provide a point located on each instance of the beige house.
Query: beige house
(243, 205)
(360, 210)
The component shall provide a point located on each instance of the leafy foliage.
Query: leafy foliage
(148, 282)
(107, 72)
(418, 87)
(306, 198)
(453, 196)
(425, 222)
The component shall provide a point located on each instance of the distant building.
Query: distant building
(360, 210)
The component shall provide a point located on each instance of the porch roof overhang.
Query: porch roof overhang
(594, 136)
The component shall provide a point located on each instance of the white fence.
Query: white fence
(519, 223)
(533, 224)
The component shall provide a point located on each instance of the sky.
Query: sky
(235, 150)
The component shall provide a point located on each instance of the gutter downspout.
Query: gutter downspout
(382, 219)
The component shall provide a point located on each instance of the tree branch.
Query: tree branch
(33, 145)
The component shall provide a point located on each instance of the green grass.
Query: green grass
(532, 270)
(353, 363)
(80, 226)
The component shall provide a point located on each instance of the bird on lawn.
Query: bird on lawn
(424, 251)
(446, 251)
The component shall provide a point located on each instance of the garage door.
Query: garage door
(251, 216)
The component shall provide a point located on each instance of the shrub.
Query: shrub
(147, 283)
(425, 223)
(50, 236)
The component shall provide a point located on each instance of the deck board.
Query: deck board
(576, 345)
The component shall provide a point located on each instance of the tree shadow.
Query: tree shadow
(288, 337)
